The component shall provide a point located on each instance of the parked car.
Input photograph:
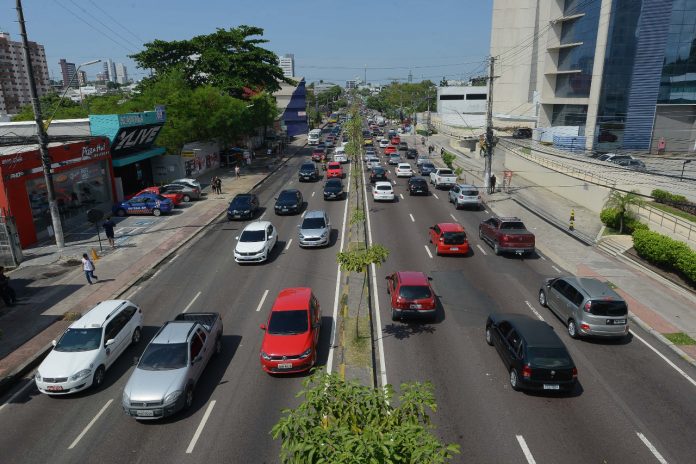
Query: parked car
(587, 306)
(188, 192)
(411, 153)
(411, 295)
(145, 203)
(465, 195)
(507, 234)
(165, 378)
(383, 191)
(378, 173)
(449, 238)
(289, 201)
(291, 335)
(256, 242)
(403, 170)
(426, 168)
(534, 356)
(315, 229)
(243, 206)
(333, 189)
(334, 169)
(418, 186)
(188, 181)
(522, 133)
(89, 347)
(443, 178)
(175, 197)
(308, 172)
(394, 159)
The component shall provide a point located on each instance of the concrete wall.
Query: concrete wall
(677, 124)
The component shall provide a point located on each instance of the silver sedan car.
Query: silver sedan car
(315, 229)
(188, 191)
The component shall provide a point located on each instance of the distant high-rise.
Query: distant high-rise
(121, 74)
(103, 76)
(287, 64)
(110, 70)
(67, 70)
(81, 78)
(14, 85)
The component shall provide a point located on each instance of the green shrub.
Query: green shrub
(610, 218)
(660, 196)
(666, 252)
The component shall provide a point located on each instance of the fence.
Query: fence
(676, 225)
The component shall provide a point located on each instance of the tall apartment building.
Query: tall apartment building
(121, 74)
(14, 84)
(621, 73)
(68, 71)
(287, 64)
(82, 78)
(109, 70)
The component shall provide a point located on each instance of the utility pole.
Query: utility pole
(489, 127)
(41, 134)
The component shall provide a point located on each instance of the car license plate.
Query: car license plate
(285, 209)
(415, 306)
(454, 249)
(616, 321)
(145, 413)
(54, 388)
(551, 386)
(284, 365)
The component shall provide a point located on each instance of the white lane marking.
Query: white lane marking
(557, 270)
(91, 423)
(261, 217)
(394, 181)
(199, 430)
(137, 289)
(401, 195)
(533, 309)
(303, 213)
(428, 251)
(188, 306)
(481, 248)
(541, 256)
(313, 193)
(263, 298)
(486, 211)
(674, 366)
(525, 450)
(287, 247)
(411, 216)
(29, 384)
(156, 272)
(452, 216)
(332, 343)
(435, 195)
(173, 259)
(652, 449)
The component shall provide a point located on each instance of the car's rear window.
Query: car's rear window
(288, 322)
(415, 292)
(470, 193)
(164, 356)
(454, 238)
(548, 358)
(608, 308)
(515, 225)
(384, 187)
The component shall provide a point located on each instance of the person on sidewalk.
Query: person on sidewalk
(6, 291)
(491, 183)
(269, 152)
(88, 267)
(218, 185)
(213, 184)
(109, 226)
(236, 171)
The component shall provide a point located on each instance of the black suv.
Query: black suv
(378, 173)
(243, 206)
(534, 356)
(522, 133)
(411, 153)
(418, 186)
(309, 171)
(289, 201)
(333, 189)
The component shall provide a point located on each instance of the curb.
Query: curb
(9, 380)
(650, 273)
(640, 323)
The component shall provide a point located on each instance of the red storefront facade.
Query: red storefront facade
(83, 178)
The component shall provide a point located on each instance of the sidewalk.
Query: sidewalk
(50, 284)
(657, 305)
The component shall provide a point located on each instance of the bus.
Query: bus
(314, 136)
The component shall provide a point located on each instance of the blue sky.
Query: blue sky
(332, 40)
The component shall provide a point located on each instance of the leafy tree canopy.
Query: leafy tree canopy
(411, 97)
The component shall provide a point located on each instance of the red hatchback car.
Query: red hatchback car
(411, 294)
(291, 336)
(334, 169)
(389, 150)
(396, 140)
(449, 238)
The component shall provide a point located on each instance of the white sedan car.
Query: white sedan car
(384, 143)
(403, 170)
(256, 242)
(383, 191)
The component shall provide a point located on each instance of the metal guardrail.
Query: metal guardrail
(670, 222)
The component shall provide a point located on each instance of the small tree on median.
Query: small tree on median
(448, 158)
(621, 202)
(349, 423)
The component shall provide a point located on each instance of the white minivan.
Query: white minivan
(314, 137)
(340, 155)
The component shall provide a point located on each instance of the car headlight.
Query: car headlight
(125, 399)
(301, 237)
(265, 356)
(172, 397)
(37, 376)
(324, 234)
(81, 374)
(306, 354)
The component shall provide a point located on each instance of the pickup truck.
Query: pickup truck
(442, 178)
(507, 235)
(165, 376)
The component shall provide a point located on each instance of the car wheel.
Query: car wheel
(572, 329)
(489, 336)
(218, 346)
(188, 401)
(514, 380)
(98, 378)
(496, 249)
(542, 298)
(120, 212)
(156, 212)
(395, 315)
(186, 198)
(135, 339)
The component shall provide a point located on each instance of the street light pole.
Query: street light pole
(65, 92)
(681, 178)
(489, 127)
(41, 134)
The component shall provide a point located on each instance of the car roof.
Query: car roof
(243, 195)
(382, 183)
(536, 333)
(290, 299)
(467, 186)
(450, 227)
(257, 225)
(174, 332)
(594, 288)
(317, 213)
(289, 192)
(400, 165)
(413, 278)
(101, 313)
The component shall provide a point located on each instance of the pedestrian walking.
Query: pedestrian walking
(269, 152)
(213, 184)
(236, 171)
(6, 291)
(218, 185)
(491, 184)
(109, 226)
(88, 267)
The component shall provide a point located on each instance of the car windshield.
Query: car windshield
(307, 167)
(287, 197)
(333, 185)
(288, 322)
(454, 238)
(79, 340)
(241, 202)
(428, 166)
(515, 225)
(164, 356)
(608, 308)
(415, 292)
(252, 236)
(548, 358)
(313, 223)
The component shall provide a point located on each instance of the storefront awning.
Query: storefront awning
(134, 158)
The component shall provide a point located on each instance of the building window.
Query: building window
(476, 96)
(569, 115)
(573, 85)
(451, 97)
(678, 84)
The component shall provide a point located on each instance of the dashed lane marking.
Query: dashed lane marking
(652, 449)
(525, 449)
(91, 423)
(452, 216)
(412, 218)
(188, 306)
(557, 270)
(287, 247)
(263, 298)
(132, 294)
(313, 193)
(427, 250)
(435, 195)
(481, 248)
(199, 430)
(401, 195)
(533, 309)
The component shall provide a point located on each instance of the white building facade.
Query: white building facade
(462, 106)
(121, 74)
(287, 64)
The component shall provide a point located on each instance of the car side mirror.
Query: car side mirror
(110, 342)
(270, 237)
(263, 327)
(54, 343)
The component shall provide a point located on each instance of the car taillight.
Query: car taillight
(575, 373)
(585, 327)
(587, 306)
(526, 371)
(505, 238)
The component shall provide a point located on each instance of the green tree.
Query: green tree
(347, 422)
(448, 158)
(229, 59)
(621, 203)
(443, 82)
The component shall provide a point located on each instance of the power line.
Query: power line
(116, 21)
(88, 13)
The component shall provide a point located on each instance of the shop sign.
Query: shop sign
(130, 119)
(12, 160)
(97, 151)
(133, 139)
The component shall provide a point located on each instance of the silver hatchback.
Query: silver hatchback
(315, 229)
(465, 195)
(587, 306)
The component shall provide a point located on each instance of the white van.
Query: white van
(314, 137)
(340, 155)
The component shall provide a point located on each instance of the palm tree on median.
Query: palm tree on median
(622, 202)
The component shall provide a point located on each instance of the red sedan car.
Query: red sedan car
(389, 150)
(291, 335)
(449, 238)
(334, 169)
(411, 294)
(318, 155)
(176, 197)
(396, 140)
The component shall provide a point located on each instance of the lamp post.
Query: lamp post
(67, 87)
(681, 178)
